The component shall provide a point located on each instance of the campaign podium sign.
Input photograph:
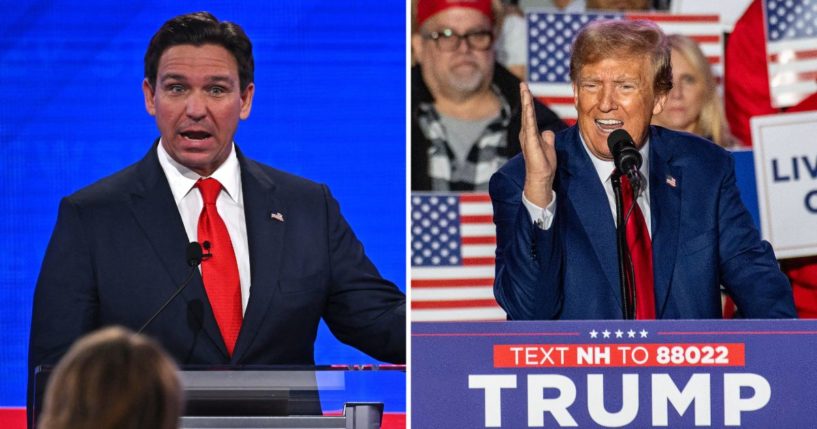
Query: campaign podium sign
(616, 373)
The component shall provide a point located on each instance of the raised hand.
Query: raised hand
(539, 152)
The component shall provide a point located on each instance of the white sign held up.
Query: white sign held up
(785, 154)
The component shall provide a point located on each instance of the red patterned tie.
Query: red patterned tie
(219, 270)
(638, 239)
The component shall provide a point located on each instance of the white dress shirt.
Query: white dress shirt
(230, 206)
(543, 217)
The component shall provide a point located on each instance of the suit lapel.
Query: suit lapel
(587, 195)
(265, 236)
(156, 213)
(665, 206)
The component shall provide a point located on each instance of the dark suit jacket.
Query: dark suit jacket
(702, 237)
(118, 252)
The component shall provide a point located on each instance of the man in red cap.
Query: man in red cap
(464, 106)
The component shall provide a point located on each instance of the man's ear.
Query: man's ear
(149, 92)
(659, 103)
(246, 101)
(417, 47)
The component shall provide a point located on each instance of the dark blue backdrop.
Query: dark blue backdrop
(329, 105)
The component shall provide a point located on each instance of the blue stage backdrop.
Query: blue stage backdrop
(329, 105)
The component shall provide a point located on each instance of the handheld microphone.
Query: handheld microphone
(626, 157)
(193, 257)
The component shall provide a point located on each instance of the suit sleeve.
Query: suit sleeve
(363, 309)
(748, 269)
(528, 278)
(65, 298)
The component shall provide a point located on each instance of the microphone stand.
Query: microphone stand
(624, 258)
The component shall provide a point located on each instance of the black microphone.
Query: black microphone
(193, 258)
(208, 255)
(626, 157)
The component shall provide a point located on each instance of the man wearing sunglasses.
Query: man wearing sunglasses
(464, 106)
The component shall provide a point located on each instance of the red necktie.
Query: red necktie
(638, 240)
(219, 269)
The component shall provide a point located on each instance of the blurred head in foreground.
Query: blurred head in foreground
(113, 378)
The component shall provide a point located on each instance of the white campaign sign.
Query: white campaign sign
(785, 153)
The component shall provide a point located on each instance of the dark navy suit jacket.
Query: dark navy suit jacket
(702, 237)
(118, 252)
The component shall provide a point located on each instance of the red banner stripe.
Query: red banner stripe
(475, 198)
(673, 18)
(799, 55)
(462, 303)
(13, 418)
(452, 282)
(807, 76)
(486, 239)
(487, 260)
(476, 219)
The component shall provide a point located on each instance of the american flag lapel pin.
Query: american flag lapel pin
(671, 181)
(277, 216)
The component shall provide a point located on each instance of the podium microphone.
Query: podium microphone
(193, 256)
(626, 157)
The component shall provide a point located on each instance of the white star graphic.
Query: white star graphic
(643, 333)
(630, 334)
(594, 334)
(606, 333)
(619, 334)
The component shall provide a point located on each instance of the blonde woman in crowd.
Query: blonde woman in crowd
(113, 379)
(693, 104)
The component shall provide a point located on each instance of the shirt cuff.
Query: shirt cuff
(541, 217)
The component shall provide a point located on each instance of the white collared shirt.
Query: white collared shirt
(543, 217)
(230, 206)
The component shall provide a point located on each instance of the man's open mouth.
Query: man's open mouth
(196, 135)
(609, 125)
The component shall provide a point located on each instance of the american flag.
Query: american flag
(550, 35)
(453, 243)
(791, 46)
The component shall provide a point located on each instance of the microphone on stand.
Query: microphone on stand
(193, 257)
(627, 160)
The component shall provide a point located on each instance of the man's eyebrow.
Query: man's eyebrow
(627, 80)
(173, 76)
(182, 78)
(219, 78)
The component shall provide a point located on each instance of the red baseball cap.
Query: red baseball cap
(428, 8)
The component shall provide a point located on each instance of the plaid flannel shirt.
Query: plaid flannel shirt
(487, 154)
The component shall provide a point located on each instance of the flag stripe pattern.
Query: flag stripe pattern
(453, 243)
(791, 46)
(550, 35)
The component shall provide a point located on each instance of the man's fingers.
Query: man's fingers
(529, 126)
(548, 145)
(548, 140)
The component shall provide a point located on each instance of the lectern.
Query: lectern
(348, 397)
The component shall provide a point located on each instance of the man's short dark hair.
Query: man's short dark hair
(199, 29)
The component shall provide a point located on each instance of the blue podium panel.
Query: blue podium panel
(752, 374)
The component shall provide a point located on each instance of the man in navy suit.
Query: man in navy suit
(118, 249)
(554, 205)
